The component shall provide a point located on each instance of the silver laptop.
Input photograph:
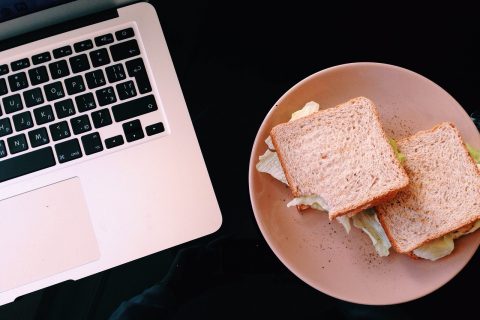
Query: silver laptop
(99, 161)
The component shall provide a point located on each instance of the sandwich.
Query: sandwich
(338, 160)
(441, 202)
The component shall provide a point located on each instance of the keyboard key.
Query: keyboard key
(38, 137)
(59, 69)
(54, 91)
(43, 115)
(106, 96)
(101, 118)
(85, 102)
(33, 97)
(3, 149)
(83, 45)
(99, 57)
(126, 90)
(62, 52)
(18, 81)
(64, 108)
(38, 75)
(133, 130)
(115, 73)
(81, 124)
(41, 58)
(12, 103)
(3, 87)
(17, 143)
(134, 108)
(20, 64)
(124, 50)
(22, 121)
(3, 69)
(59, 130)
(79, 63)
(74, 85)
(136, 69)
(114, 142)
(68, 150)
(124, 34)
(103, 40)
(26, 163)
(92, 143)
(154, 129)
(5, 127)
(95, 79)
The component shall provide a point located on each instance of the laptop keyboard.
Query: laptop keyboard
(61, 105)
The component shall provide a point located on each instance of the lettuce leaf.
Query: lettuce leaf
(269, 163)
(400, 156)
(368, 222)
(475, 153)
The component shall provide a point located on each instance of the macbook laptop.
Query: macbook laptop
(99, 161)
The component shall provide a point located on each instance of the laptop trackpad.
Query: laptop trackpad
(44, 232)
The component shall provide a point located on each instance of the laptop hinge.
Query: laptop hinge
(58, 29)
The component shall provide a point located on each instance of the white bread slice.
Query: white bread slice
(443, 194)
(341, 154)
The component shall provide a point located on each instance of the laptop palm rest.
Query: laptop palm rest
(44, 232)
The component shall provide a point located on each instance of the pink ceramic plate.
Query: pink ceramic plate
(320, 252)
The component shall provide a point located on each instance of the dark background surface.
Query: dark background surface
(234, 60)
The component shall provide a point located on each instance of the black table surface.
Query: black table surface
(234, 60)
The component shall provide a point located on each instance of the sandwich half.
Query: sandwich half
(340, 157)
(442, 200)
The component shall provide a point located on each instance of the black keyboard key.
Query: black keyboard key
(74, 85)
(85, 102)
(3, 87)
(33, 97)
(59, 69)
(80, 124)
(92, 143)
(59, 130)
(18, 81)
(68, 151)
(134, 108)
(3, 69)
(64, 108)
(104, 39)
(114, 142)
(20, 64)
(3, 149)
(22, 121)
(95, 79)
(62, 52)
(124, 50)
(154, 129)
(126, 90)
(99, 57)
(106, 96)
(12, 103)
(115, 73)
(101, 118)
(38, 75)
(54, 91)
(5, 127)
(41, 58)
(136, 69)
(43, 115)
(133, 130)
(17, 143)
(79, 63)
(38, 137)
(26, 163)
(124, 34)
(83, 45)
